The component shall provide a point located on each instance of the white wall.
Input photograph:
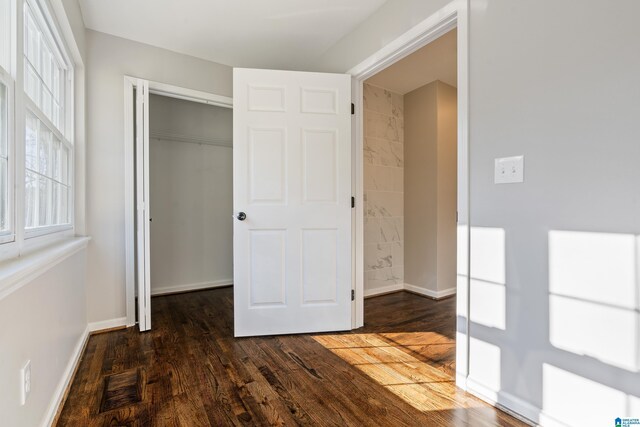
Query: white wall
(191, 195)
(108, 60)
(557, 82)
(43, 321)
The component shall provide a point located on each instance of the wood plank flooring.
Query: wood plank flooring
(190, 371)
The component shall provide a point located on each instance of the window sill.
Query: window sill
(17, 272)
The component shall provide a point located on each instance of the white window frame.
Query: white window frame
(9, 235)
(22, 240)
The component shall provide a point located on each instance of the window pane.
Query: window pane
(4, 162)
(55, 116)
(45, 139)
(64, 206)
(46, 101)
(4, 194)
(56, 83)
(5, 33)
(55, 160)
(44, 73)
(47, 67)
(32, 38)
(55, 203)
(4, 122)
(30, 199)
(31, 83)
(31, 143)
(43, 201)
(64, 165)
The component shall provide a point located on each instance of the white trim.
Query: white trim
(107, 324)
(411, 288)
(170, 289)
(65, 380)
(17, 272)
(454, 14)
(547, 420)
(506, 402)
(129, 180)
(417, 37)
(429, 293)
(193, 95)
(383, 290)
(129, 206)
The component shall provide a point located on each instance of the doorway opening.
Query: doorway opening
(178, 192)
(409, 152)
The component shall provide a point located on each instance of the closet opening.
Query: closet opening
(190, 195)
(178, 194)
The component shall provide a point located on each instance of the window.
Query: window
(5, 226)
(5, 34)
(46, 176)
(6, 125)
(36, 144)
(48, 151)
(42, 70)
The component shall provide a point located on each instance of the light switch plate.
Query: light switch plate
(509, 170)
(25, 389)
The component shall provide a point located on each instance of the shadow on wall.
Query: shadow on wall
(594, 313)
(589, 366)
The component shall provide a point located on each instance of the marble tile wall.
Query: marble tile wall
(383, 188)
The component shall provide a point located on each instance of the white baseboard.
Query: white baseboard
(461, 381)
(429, 293)
(67, 377)
(512, 405)
(107, 324)
(161, 290)
(410, 288)
(383, 290)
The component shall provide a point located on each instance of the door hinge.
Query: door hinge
(353, 295)
(353, 108)
(353, 202)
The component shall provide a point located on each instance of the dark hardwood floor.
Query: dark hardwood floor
(190, 371)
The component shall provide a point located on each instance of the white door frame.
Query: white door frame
(453, 15)
(129, 175)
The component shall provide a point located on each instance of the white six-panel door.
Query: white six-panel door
(292, 180)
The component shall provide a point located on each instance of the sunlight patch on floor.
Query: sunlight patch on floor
(415, 366)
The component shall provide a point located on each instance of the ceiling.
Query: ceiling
(436, 61)
(285, 34)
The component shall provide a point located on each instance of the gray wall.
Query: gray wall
(45, 320)
(421, 187)
(388, 22)
(430, 153)
(191, 195)
(567, 97)
(109, 59)
(557, 82)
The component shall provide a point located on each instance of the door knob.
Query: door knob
(241, 216)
